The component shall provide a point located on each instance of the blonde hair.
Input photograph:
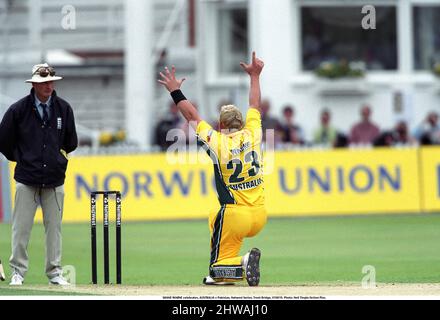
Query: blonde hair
(231, 118)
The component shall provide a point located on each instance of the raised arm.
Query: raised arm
(169, 81)
(254, 70)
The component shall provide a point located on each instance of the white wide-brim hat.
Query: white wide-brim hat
(36, 78)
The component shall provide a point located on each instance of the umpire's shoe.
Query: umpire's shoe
(16, 280)
(251, 265)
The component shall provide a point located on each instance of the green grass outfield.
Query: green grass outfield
(295, 251)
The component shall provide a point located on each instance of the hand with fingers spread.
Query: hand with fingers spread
(255, 67)
(169, 81)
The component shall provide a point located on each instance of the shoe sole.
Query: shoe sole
(253, 268)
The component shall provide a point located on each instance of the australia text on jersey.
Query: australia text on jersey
(246, 185)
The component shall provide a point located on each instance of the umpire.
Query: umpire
(38, 132)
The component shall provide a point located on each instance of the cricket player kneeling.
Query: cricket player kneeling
(236, 155)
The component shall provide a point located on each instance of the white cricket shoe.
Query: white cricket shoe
(59, 281)
(16, 280)
(209, 281)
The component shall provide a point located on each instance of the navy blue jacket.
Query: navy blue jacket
(37, 147)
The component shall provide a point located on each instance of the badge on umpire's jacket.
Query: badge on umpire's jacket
(59, 123)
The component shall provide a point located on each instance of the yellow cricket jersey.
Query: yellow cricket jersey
(237, 161)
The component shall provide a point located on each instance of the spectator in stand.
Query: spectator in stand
(292, 133)
(342, 140)
(364, 132)
(326, 133)
(384, 139)
(171, 121)
(398, 136)
(428, 133)
(401, 134)
(270, 123)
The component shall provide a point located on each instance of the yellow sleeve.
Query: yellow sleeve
(207, 134)
(253, 119)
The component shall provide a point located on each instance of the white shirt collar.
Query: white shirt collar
(38, 102)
